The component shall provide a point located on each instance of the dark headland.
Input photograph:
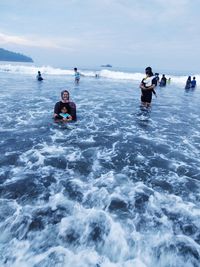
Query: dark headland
(6, 55)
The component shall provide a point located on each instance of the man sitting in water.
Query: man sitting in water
(65, 102)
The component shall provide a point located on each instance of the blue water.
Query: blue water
(119, 187)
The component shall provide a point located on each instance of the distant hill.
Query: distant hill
(6, 55)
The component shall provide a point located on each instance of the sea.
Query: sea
(120, 187)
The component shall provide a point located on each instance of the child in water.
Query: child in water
(147, 82)
(77, 76)
(64, 115)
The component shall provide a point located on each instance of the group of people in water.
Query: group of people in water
(77, 76)
(190, 83)
(65, 109)
(148, 85)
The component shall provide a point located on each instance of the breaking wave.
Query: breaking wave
(103, 73)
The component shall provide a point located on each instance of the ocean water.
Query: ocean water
(118, 188)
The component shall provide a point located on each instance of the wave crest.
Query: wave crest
(104, 73)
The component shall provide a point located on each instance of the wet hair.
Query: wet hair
(75, 69)
(64, 91)
(148, 71)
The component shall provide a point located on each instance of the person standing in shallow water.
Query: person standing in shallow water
(77, 76)
(147, 87)
(188, 83)
(163, 81)
(65, 102)
(193, 82)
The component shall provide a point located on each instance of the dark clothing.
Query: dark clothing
(147, 93)
(146, 96)
(188, 84)
(157, 80)
(39, 77)
(193, 83)
(163, 81)
(71, 109)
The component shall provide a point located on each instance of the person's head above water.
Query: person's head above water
(64, 109)
(65, 96)
(75, 69)
(148, 71)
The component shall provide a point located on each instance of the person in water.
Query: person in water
(163, 81)
(77, 76)
(157, 78)
(169, 80)
(64, 115)
(147, 87)
(39, 76)
(65, 102)
(188, 83)
(193, 82)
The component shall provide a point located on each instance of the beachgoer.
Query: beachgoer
(188, 83)
(147, 87)
(65, 102)
(193, 82)
(77, 76)
(64, 115)
(157, 78)
(163, 81)
(39, 76)
(169, 80)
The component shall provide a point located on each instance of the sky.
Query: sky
(124, 33)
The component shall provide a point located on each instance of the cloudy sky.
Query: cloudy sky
(124, 33)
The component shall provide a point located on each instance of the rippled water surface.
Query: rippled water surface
(119, 187)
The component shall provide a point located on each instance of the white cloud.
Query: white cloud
(34, 41)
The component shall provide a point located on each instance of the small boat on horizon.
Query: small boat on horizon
(107, 66)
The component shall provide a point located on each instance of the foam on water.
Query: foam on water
(117, 188)
(103, 73)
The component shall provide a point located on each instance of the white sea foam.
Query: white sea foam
(104, 73)
(114, 191)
